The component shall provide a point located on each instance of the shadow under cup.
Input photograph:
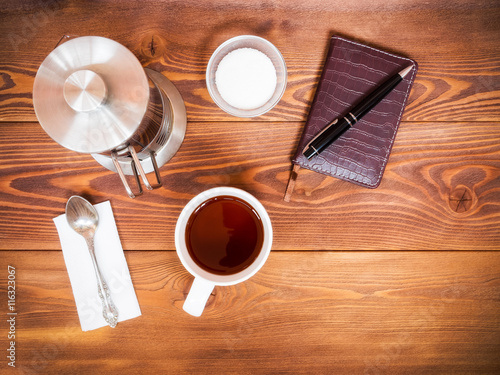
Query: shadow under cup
(223, 236)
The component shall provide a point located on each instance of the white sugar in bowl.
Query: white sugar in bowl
(246, 76)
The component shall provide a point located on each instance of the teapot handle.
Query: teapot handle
(138, 170)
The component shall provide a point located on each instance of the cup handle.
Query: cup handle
(198, 296)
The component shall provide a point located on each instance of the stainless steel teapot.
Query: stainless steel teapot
(91, 95)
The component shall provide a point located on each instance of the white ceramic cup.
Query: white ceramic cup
(204, 282)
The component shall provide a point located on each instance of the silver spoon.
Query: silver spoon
(82, 217)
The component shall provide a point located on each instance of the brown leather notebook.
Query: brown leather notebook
(351, 71)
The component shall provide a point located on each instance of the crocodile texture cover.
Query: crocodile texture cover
(351, 71)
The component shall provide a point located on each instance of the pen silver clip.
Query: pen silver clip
(321, 132)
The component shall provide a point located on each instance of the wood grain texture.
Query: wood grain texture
(455, 44)
(303, 313)
(417, 206)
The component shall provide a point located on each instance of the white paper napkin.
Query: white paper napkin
(113, 266)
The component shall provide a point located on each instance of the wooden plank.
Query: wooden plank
(455, 45)
(439, 191)
(316, 312)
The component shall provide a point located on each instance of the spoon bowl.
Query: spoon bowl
(82, 217)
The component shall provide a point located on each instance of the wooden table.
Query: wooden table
(397, 280)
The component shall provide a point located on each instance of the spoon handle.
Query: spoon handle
(109, 312)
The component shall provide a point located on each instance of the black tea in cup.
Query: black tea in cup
(224, 235)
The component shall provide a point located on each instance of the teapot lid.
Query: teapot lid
(90, 94)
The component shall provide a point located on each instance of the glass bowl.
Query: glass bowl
(259, 44)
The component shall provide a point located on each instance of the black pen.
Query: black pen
(337, 127)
